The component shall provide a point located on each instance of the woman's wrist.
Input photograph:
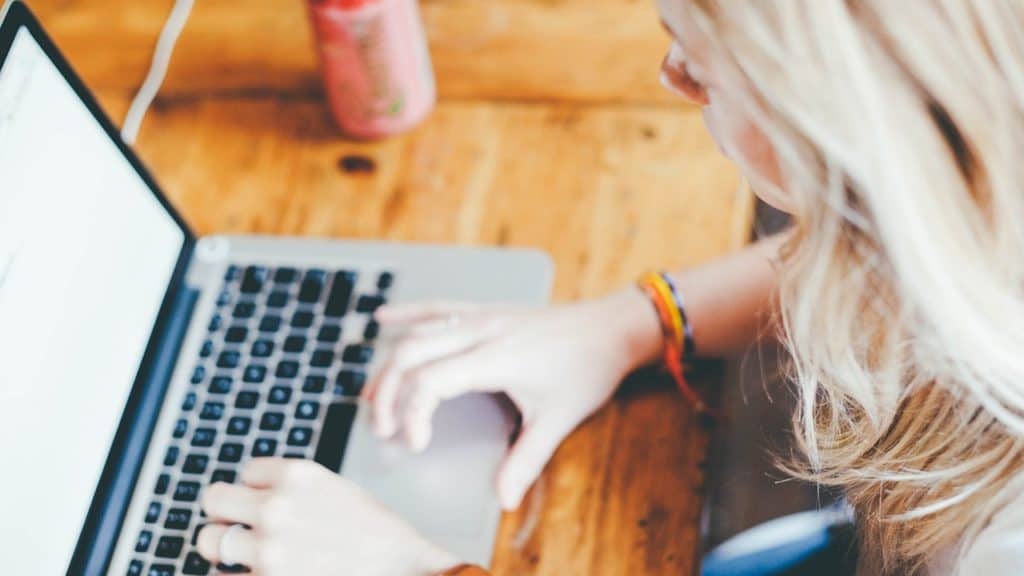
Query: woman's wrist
(635, 323)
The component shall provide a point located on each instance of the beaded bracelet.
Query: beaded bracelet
(675, 329)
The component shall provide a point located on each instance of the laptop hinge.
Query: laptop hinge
(103, 525)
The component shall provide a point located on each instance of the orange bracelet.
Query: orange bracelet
(674, 332)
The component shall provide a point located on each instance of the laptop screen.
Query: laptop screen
(86, 256)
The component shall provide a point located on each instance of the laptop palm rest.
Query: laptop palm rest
(448, 491)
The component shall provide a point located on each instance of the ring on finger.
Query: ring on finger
(222, 552)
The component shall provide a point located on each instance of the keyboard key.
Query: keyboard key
(152, 513)
(277, 299)
(207, 350)
(317, 274)
(186, 491)
(340, 296)
(330, 451)
(161, 570)
(314, 384)
(212, 411)
(310, 289)
(180, 428)
(264, 447)
(272, 421)
(169, 547)
(224, 298)
(371, 331)
(330, 333)
(255, 373)
(227, 476)
(134, 568)
(262, 348)
(215, 323)
(357, 354)
(189, 403)
(294, 456)
(247, 399)
(239, 425)
(172, 456)
(204, 437)
(244, 310)
(230, 452)
(294, 343)
(307, 410)
(285, 275)
(287, 369)
(195, 564)
(351, 382)
(322, 358)
(142, 544)
(253, 279)
(279, 395)
(300, 436)
(178, 519)
(368, 303)
(229, 359)
(270, 324)
(302, 319)
(236, 334)
(198, 374)
(220, 385)
(195, 464)
(385, 280)
(232, 273)
(232, 569)
(162, 483)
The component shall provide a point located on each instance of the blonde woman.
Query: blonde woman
(893, 132)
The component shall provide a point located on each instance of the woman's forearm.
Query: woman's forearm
(728, 304)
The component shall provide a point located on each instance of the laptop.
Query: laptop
(139, 363)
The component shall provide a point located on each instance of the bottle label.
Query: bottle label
(376, 65)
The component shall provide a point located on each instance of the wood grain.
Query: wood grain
(547, 135)
(547, 50)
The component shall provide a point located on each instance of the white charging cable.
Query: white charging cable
(157, 70)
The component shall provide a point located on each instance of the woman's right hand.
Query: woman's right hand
(558, 365)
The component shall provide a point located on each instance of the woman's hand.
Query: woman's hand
(558, 365)
(307, 520)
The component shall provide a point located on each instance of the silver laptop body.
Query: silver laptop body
(260, 346)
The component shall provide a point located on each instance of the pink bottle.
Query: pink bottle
(375, 63)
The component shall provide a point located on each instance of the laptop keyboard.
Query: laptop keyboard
(284, 359)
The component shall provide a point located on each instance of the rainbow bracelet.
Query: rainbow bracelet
(675, 329)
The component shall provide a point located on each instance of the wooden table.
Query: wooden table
(552, 132)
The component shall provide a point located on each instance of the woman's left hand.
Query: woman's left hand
(307, 520)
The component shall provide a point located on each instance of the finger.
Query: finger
(233, 504)
(439, 381)
(410, 354)
(264, 472)
(220, 544)
(526, 460)
(412, 313)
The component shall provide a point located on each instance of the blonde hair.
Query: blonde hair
(899, 130)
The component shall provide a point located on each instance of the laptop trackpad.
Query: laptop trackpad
(447, 492)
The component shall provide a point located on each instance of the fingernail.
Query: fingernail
(509, 502)
(667, 83)
(421, 443)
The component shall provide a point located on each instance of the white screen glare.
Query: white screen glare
(86, 256)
